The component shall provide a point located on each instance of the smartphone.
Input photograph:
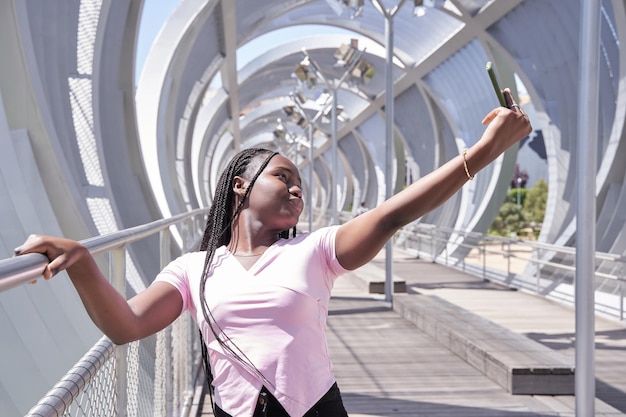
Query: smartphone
(496, 85)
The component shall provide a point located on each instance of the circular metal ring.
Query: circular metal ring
(515, 105)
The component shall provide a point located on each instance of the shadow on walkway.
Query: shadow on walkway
(370, 406)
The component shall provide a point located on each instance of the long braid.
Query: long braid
(218, 232)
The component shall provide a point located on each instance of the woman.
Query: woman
(261, 299)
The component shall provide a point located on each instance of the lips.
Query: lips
(298, 203)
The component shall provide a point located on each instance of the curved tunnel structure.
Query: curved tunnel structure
(88, 149)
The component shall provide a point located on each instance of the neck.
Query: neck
(248, 239)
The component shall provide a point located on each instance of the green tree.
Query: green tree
(512, 195)
(509, 219)
(535, 202)
(514, 218)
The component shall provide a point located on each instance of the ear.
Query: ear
(239, 186)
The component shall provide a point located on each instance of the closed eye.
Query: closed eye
(286, 176)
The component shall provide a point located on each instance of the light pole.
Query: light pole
(333, 87)
(286, 140)
(519, 184)
(588, 105)
(310, 124)
(311, 156)
(388, 14)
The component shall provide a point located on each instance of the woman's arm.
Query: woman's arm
(121, 320)
(360, 239)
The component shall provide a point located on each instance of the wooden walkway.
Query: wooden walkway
(385, 366)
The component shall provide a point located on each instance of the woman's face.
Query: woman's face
(276, 195)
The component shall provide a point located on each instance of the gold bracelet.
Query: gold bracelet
(470, 176)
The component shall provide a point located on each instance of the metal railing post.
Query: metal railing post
(484, 248)
(165, 239)
(538, 283)
(621, 279)
(419, 243)
(433, 246)
(538, 273)
(508, 258)
(117, 269)
(621, 300)
(169, 373)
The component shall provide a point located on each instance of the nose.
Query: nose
(295, 191)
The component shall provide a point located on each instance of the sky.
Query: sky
(155, 12)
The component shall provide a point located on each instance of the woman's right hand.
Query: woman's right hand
(123, 321)
(62, 253)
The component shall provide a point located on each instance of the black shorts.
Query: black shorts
(330, 405)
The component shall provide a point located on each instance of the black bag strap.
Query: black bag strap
(207, 369)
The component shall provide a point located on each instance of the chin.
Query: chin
(292, 224)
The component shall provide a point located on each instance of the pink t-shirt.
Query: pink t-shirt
(275, 313)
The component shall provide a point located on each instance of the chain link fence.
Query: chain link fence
(152, 377)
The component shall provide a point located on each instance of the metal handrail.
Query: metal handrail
(74, 382)
(421, 238)
(22, 269)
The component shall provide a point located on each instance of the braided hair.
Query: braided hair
(218, 232)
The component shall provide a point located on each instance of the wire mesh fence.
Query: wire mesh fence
(152, 377)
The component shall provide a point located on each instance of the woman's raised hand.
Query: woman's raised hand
(505, 127)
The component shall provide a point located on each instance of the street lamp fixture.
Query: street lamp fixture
(327, 114)
(298, 94)
(362, 69)
(346, 53)
(285, 141)
(305, 73)
(280, 133)
(420, 6)
(339, 5)
(296, 116)
(289, 109)
(356, 5)
(308, 73)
